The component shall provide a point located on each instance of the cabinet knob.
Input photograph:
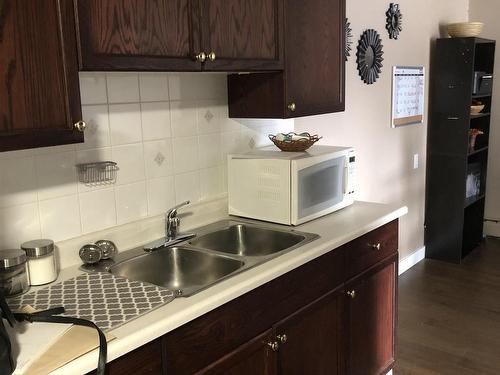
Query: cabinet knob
(201, 57)
(292, 107)
(352, 294)
(80, 126)
(375, 246)
(211, 56)
(282, 338)
(273, 345)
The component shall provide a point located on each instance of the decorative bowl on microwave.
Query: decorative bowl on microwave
(294, 142)
(465, 29)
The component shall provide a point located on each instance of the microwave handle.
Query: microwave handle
(346, 174)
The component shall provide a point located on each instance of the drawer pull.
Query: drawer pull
(273, 345)
(352, 294)
(375, 246)
(282, 338)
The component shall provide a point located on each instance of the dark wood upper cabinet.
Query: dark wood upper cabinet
(371, 309)
(138, 34)
(40, 97)
(242, 34)
(180, 35)
(319, 325)
(313, 79)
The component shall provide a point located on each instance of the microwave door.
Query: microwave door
(319, 188)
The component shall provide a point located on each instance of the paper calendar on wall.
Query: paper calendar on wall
(408, 93)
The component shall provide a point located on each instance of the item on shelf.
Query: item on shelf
(293, 142)
(348, 39)
(394, 22)
(369, 56)
(465, 29)
(476, 107)
(483, 83)
(13, 272)
(98, 173)
(42, 265)
(473, 183)
(473, 133)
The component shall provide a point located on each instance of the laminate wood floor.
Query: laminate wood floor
(449, 316)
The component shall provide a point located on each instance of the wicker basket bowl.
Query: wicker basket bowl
(295, 145)
(465, 29)
(476, 109)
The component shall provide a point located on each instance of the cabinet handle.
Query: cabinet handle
(201, 57)
(211, 56)
(273, 345)
(352, 294)
(375, 246)
(282, 338)
(292, 107)
(80, 126)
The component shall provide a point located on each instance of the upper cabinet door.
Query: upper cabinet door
(39, 95)
(139, 35)
(242, 35)
(315, 65)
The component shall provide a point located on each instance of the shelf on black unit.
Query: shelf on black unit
(477, 96)
(470, 201)
(479, 115)
(478, 151)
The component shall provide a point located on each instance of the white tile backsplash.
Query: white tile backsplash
(125, 123)
(131, 202)
(123, 87)
(155, 118)
(170, 135)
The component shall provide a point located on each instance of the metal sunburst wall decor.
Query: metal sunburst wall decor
(369, 56)
(348, 39)
(394, 23)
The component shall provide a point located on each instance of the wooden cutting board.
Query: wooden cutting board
(76, 342)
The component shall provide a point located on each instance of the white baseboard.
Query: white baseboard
(389, 373)
(411, 260)
(491, 229)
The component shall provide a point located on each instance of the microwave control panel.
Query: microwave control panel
(351, 172)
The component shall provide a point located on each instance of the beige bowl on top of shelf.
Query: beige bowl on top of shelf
(465, 29)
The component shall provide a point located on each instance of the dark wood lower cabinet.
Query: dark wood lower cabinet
(310, 341)
(254, 357)
(371, 310)
(315, 319)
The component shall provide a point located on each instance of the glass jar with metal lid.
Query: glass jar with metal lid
(13, 272)
(41, 261)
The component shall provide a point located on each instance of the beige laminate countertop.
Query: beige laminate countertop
(335, 230)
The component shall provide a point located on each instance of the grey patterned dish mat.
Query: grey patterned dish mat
(101, 297)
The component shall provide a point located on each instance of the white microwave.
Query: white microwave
(291, 188)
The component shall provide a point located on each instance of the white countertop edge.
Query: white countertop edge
(181, 311)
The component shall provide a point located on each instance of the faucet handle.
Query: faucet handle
(173, 211)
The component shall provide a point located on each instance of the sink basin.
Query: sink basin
(179, 269)
(248, 240)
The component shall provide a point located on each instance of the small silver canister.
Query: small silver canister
(14, 278)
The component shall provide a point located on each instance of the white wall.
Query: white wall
(385, 155)
(169, 134)
(487, 11)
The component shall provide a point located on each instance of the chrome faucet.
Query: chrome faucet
(172, 223)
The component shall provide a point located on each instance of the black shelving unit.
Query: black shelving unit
(453, 220)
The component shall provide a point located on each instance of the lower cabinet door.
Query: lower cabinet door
(256, 357)
(310, 341)
(371, 313)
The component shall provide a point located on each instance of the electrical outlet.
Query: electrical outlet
(415, 161)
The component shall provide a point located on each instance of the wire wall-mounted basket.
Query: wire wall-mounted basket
(99, 173)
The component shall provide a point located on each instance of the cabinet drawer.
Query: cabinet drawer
(371, 248)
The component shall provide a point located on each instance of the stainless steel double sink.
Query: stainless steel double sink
(219, 250)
